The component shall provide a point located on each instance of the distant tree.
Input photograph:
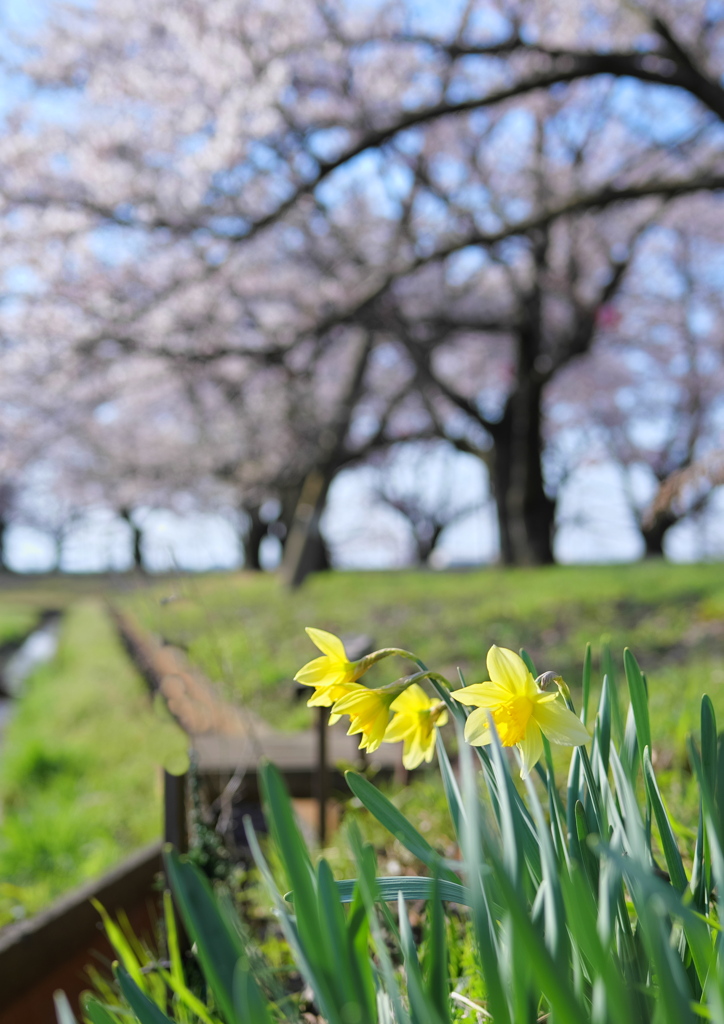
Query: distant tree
(419, 483)
(7, 508)
(685, 492)
(651, 398)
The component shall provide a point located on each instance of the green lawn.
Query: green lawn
(80, 783)
(247, 633)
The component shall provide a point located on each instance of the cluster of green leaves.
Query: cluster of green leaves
(80, 784)
(573, 916)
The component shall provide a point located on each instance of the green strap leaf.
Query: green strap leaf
(553, 983)
(422, 1010)
(97, 1012)
(668, 842)
(639, 700)
(251, 1006)
(412, 887)
(143, 1007)
(121, 945)
(395, 822)
(528, 661)
(586, 683)
(708, 741)
(218, 944)
(435, 965)
(450, 783)
(62, 1009)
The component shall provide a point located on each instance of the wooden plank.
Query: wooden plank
(36, 948)
(290, 752)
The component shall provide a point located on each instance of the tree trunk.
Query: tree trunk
(252, 538)
(136, 538)
(426, 537)
(654, 530)
(3, 553)
(305, 550)
(526, 514)
(296, 516)
(57, 551)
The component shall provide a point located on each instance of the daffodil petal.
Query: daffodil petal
(531, 748)
(509, 670)
(560, 725)
(321, 698)
(375, 735)
(321, 670)
(347, 704)
(477, 728)
(483, 695)
(399, 728)
(412, 699)
(328, 643)
(413, 754)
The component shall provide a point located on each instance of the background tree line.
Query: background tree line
(245, 247)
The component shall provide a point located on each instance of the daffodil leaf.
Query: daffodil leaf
(62, 1009)
(435, 964)
(452, 790)
(395, 822)
(603, 724)
(586, 682)
(528, 662)
(639, 700)
(422, 1009)
(412, 887)
(668, 842)
(97, 1013)
(144, 1008)
(217, 941)
(251, 1006)
(708, 741)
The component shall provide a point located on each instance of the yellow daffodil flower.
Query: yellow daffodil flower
(519, 709)
(415, 717)
(369, 712)
(333, 675)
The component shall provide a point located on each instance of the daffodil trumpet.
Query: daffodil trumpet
(415, 719)
(521, 711)
(369, 711)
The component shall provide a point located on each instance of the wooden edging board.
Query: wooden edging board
(48, 951)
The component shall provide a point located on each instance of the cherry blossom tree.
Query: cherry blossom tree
(651, 398)
(333, 228)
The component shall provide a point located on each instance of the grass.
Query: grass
(247, 634)
(15, 623)
(80, 785)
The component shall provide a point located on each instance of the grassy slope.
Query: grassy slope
(79, 778)
(247, 633)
